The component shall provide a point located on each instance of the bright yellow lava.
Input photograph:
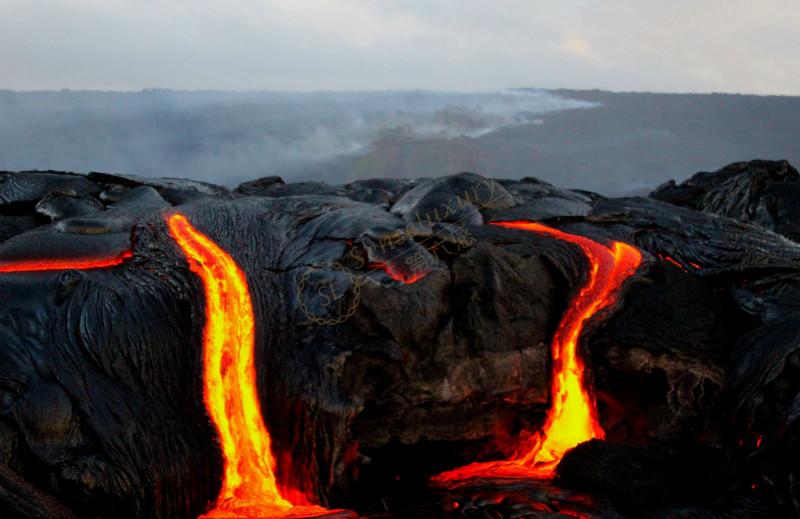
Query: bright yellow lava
(249, 488)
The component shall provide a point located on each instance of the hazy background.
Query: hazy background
(336, 91)
(464, 45)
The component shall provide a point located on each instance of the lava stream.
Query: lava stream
(572, 418)
(42, 265)
(249, 487)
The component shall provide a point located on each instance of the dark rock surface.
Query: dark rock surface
(370, 383)
(760, 191)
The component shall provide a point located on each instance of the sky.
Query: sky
(742, 46)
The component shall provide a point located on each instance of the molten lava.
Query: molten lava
(41, 265)
(669, 259)
(572, 418)
(249, 488)
(405, 278)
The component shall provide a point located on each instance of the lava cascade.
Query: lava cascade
(249, 487)
(572, 418)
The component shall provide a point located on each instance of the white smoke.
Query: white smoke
(229, 137)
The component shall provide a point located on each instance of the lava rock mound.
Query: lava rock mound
(398, 335)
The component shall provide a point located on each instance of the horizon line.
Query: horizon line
(245, 91)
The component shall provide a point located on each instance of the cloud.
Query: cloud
(735, 45)
(352, 22)
(579, 47)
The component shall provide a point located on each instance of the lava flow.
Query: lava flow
(572, 418)
(42, 265)
(249, 487)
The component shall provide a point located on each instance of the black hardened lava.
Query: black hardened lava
(397, 335)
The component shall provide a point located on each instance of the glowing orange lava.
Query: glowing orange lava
(393, 273)
(673, 261)
(249, 488)
(41, 265)
(572, 418)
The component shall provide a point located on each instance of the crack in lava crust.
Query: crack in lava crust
(572, 417)
(249, 487)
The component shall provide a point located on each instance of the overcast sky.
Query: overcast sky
(749, 46)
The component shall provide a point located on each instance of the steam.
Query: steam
(229, 137)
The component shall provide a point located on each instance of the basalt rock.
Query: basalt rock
(399, 335)
(761, 191)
